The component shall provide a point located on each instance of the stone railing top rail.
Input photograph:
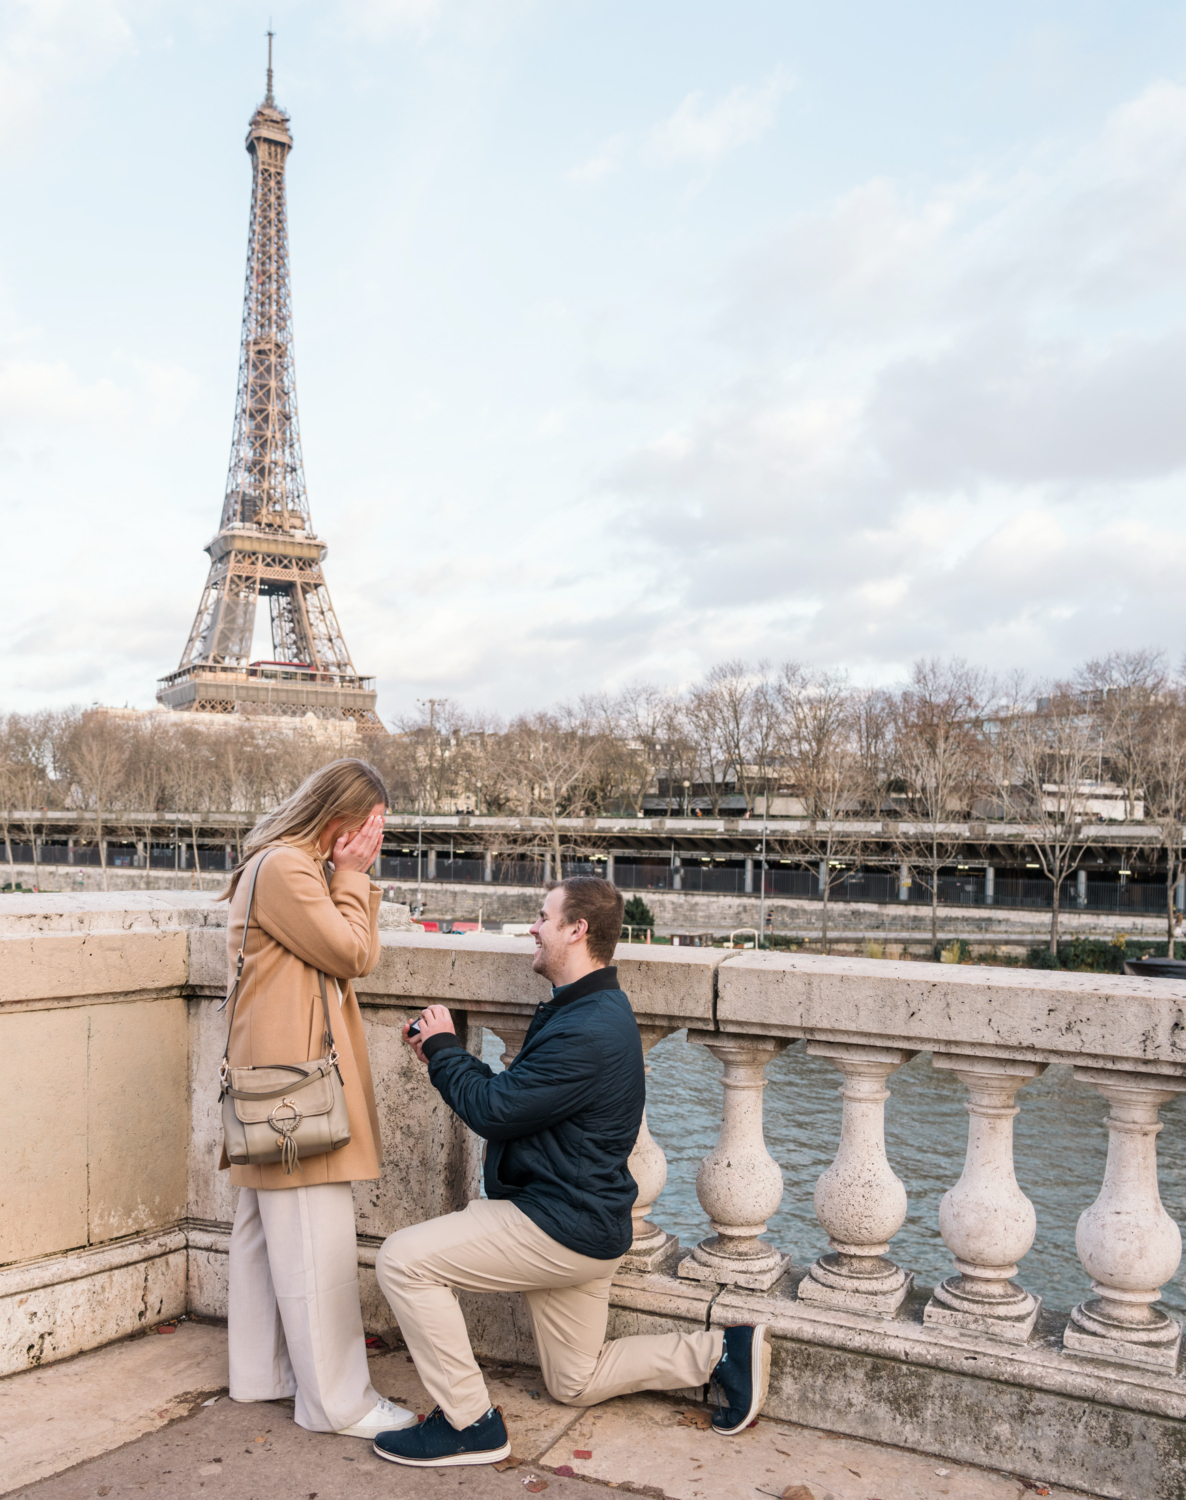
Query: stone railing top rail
(493, 973)
(24, 913)
(1105, 1020)
(1094, 1020)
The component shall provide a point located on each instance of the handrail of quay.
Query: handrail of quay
(975, 1369)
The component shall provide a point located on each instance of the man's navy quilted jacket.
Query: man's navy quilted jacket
(563, 1118)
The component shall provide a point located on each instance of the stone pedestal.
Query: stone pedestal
(986, 1221)
(859, 1200)
(1127, 1242)
(739, 1183)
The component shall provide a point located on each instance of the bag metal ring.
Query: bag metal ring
(285, 1127)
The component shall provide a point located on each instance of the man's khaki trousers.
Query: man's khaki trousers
(494, 1247)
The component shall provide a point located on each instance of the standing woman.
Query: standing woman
(295, 1322)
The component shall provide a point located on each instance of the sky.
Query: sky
(630, 337)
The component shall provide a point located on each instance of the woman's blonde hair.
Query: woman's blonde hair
(344, 789)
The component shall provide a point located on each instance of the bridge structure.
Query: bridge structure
(1083, 1387)
(1121, 868)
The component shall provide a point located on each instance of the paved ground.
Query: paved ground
(129, 1420)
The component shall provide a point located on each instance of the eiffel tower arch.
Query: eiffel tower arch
(266, 547)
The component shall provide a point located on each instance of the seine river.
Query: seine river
(1060, 1149)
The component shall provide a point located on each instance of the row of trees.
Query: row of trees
(126, 769)
(950, 743)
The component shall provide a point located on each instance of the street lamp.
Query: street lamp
(762, 901)
(419, 854)
(687, 789)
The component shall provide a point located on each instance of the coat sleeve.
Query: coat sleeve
(556, 1080)
(335, 930)
(374, 897)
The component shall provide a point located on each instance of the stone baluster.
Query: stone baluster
(986, 1221)
(509, 1028)
(859, 1200)
(652, 1247)
(739, 1183)
(1127, 1242)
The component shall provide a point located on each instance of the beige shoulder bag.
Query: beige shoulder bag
(286, 1111)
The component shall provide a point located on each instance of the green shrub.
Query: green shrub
(638, 913)
(1095, 956)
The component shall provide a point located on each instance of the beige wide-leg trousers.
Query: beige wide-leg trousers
(294, 1319)
(494, 1247)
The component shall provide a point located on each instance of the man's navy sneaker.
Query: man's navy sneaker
(434, 1444)
(741, 1378)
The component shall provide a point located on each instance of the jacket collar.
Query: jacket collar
(589, 984)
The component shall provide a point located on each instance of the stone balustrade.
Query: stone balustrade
(113, 1215)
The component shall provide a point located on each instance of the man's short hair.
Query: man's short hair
(601, 904)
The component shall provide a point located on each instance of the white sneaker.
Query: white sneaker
(384, 1416)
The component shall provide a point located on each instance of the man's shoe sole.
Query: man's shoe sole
(449, 1460)
(760, 1378)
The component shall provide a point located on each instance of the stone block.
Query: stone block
(43, 1123)
(206, 1280)
(137, 1125)
(55, 966)
(208, 958)
(52, 1309)
(1160, 1356)
(209, 1194)
(431, 1160)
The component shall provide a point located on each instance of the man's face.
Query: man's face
(552, 936)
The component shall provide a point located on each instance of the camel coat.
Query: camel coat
(298, 927)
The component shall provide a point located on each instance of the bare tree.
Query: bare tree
(1163, 785)
(555, 756)
(704, 718)
(1053, 751)
(821, 747)
(1124, 691)
(99, 752)
(34, 745)
(740, 707)
(631, 725)
(939, 746)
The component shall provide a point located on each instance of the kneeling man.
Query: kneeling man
(560, 1123)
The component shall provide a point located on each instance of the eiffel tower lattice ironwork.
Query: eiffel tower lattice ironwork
(266, 545)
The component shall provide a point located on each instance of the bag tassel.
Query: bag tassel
(288, 1153)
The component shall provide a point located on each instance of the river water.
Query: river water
(1060, 1148)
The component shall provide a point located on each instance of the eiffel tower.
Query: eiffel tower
(266, 545)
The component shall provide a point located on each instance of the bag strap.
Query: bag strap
(319, 1070)
(232, 997)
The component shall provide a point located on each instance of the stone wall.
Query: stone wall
(113, 1215)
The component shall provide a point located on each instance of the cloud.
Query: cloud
(606, 159)
(382, 18)
(705, 133)
(46, 47)
(951, 420)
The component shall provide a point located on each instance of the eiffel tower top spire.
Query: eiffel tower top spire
(265, 543)
(266, 478)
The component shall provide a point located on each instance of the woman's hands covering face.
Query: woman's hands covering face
(358, 850)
